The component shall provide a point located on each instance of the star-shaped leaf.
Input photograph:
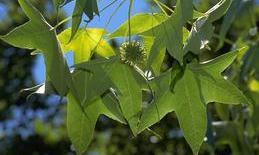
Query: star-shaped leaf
(81, 124)
(200, 84)
(169, 33)
(38, 34)
(90, 82)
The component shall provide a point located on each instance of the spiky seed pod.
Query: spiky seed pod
(133, 53)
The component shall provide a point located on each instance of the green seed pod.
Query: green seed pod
(133, 53)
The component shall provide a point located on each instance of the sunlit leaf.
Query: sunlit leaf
(139, 23)
(129, 93)
(85, 43)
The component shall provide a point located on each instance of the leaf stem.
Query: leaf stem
(161, 8)
(154, 133)
(62, 22)
(107, 6)
(226, 40)
(165, 6)
(106, 25)
(129, 17)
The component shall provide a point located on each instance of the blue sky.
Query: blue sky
(119, 18)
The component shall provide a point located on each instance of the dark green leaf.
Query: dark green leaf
(169, 33)
(89, 7)
(38, 34)
(203, 30)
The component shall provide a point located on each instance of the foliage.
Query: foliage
(103, 83)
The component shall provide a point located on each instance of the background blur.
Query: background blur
(36, 126)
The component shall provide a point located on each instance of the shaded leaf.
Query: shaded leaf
(38, 34)
(203, 30)
(198, 85)
(162, 102)
(89, 7)
(90, 80)
(228, 20)
(169, 33)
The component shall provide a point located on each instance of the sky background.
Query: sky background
(100, 22)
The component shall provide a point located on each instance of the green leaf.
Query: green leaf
(59, 3)
(89, 83)
(90, 80)
(89, 7)
(250, 62)
(113, 108)
(85, 43)
(139, 23)
(157, 59)
(214, 87)
(203, 30)
(129, 93)
(162, 102)
(201, 84)
(218, 10)
(45, 88)
(197, 14)
(38, 34)
(156, 51)
(190, 110)
(199, 37)
(169, 33)
(81, 124)
(198, 85)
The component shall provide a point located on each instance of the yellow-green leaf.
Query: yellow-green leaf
(85, 43)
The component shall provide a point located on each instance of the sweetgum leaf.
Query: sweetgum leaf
(85, 105)
(161, 104)
(139, 23)
(129, 93)
(199, 85)
(157, 59)
(90, 80)
(85, 43)
(169, 33)
(81, 125)
(202, 84)
(156, 50)
(38, 34)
